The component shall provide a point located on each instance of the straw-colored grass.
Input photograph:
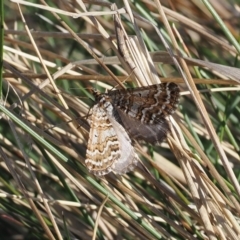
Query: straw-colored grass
(53, 53)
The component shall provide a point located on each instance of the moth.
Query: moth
(121, 115)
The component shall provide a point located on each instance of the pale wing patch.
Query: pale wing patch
(128, 158)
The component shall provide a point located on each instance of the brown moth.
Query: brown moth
(137, 113)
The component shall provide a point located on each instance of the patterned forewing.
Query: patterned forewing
(103, 146)
(149, 105)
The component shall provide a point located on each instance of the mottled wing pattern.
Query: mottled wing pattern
(150, 104)
(143, 111)
(109, 146)
(103, 146)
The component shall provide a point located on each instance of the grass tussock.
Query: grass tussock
(54, 52)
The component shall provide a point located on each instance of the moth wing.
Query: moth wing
(149, 104)
(103, 146)
(128, 157)
(151, 133)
